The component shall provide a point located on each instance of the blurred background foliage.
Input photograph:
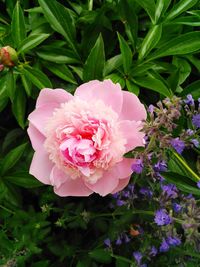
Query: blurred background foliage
(151, 47)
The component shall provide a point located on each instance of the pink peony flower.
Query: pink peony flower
(80, 140)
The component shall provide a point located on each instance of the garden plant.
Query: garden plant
(99, 133)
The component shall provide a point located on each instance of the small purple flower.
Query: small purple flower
(170, 190)
(198, 184)
(151, 108)
(120, 202)
(189, 132)
(162, 217)
(178, 145)
(126, 194)
(196, 120)
(115, 195)
(173, 241)
(189, 100)
(146, 192)
(143, 265)
(137, 166)
(153, 251)
(195, 142)
(138, 256)
(118, 241)
(176, 207)
(160, 166)
(131, 187)
(164, 246)
(107, 242)
(126, 239)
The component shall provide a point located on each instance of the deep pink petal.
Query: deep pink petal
(121, 185)
(105, 185)
(132, 108)
(64, 186)
(39, 117)
(37, 139)
(107, 91)
(131, 131)
(41, 166)
(52, 96)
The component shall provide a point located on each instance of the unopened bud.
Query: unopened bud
(1, 67)
(8, 56)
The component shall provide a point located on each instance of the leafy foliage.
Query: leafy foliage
(150, 47)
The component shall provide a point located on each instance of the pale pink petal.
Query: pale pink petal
(131, 132)
(39, 117)
(107, 91)
(132, 109)
(122, 184)
(41, 166)
(105, 185)
(123, 168)
(69, 187)
(52, 96)
(37, 139)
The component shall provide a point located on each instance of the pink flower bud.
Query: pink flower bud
(8, 56)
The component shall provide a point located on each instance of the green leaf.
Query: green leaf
(183, 44)
(23, 179)
(37, 77)
(62, 71)
(18, 29)
(193, 89)
(160, 8)
(189, 20)
(112, 64)
(12, 158)
(10, 85)
(60, 56)
(60, 20)
(92, 69)
(184, 67)
(180, 7)
(150, 41)
(149, 7)
(19, 107)
(27, 84)
(152, 83)
(133, 88)
(101, 255)
(32, 41)
(126, 54)
(3, 93)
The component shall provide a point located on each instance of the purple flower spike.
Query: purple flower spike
(162, 217)
(137, 166)
(138, 256)
(178, 145)
(153, 251)
(176, 207)
(120, 203)
(164, 246)
(195, 142)
(189, 100)
(170, 190)
(196, 120)
(160, 166)
(198, 184)
(107, 242)
(173, 241)
(146, 192)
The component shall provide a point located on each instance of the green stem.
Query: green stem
(123, 259)
(186, 166)
(6, 209)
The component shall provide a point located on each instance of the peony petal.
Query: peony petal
(131, 132)
(105, 185)
(123, 168)
(39, 117)
(37, 139)
(132, 108)
(68, 186)
(52, 96)
(107, 91)
(121, 185)
(41, 166)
